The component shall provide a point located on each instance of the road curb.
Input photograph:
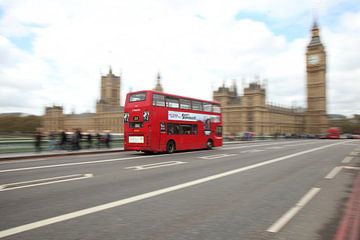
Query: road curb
(60, 154)
(349, 227)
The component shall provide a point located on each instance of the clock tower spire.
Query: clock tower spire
(316, 116)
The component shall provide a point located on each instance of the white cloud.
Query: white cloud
(195, 45)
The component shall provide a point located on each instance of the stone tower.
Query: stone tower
(110, 94)
(316, 117)
(254, 105)
(53, 120)
(158, 86)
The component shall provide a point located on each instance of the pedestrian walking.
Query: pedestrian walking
(89, 140)
(77, 139)
(38, 140)
(52, 141)
(63, 140)
(98, 140)
(107, 139)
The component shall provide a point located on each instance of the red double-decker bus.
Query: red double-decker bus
(161, 122)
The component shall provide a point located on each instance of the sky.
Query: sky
(54, 52)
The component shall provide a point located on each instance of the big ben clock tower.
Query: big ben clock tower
(316, 117)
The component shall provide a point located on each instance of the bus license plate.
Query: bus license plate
(136, 139)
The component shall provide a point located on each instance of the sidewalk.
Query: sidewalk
(56, 153)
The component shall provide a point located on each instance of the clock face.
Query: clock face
(313, 59)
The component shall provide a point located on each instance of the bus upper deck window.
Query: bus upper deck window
(196, 105)
(158, 100)
(207, 107)
(216, 109)
(172, 102)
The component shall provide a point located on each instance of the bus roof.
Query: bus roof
(173, 95)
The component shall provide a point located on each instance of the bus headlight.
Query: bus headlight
(146, 115)
(126, 117)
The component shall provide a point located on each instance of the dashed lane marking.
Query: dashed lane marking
(279, 224)
(217, 156)
(333, 172)
(347, 159)
(44, 181)
(155, 165)
(252, 151)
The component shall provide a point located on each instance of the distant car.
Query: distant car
(323, 136)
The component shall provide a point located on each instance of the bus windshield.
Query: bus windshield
(137, 97)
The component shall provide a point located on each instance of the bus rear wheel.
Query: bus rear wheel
(209, 144)
(170, 147)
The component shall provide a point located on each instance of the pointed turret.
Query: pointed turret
(110, 71)
(158, 86)
(315, 36)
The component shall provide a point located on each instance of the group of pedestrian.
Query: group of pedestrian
(72, 141)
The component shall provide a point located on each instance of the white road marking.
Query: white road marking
(252, 151)
(333, 172)
(64, 217)
(247, 146)
(22, 161)
(270, 148)
(354, 153)
(13, 186)
(347, 159)
(155, 165)
(91, 162)
(217, 156)
(353, 168)
(281, 222)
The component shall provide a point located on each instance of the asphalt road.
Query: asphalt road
(267, 190)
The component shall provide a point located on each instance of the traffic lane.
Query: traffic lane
(128, 176)
(95, 192)
(322, 214)
(240, 206)
(49, 171)
(120, 158)
(107, 156)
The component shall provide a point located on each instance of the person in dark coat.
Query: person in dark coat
(107, 139)
(38, 140)
(89, 140)
(63, 140)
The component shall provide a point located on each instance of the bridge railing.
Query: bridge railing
(22, 145)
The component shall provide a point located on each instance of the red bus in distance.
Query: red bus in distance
(333, 133)
(161, 122)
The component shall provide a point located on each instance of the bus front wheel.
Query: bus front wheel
(170, 147)
(209, 144)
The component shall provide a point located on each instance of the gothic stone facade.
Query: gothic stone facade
(108, 116)
(251, 113)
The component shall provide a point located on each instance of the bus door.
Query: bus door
(217, 130)
(162, 137)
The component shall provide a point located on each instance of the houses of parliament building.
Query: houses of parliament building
(248, 112)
